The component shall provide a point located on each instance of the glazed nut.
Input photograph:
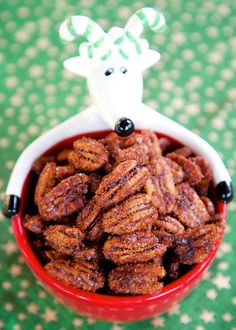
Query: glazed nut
(194, 245)
(160, 186)
(84, 275)
(125, 180)
(65, 198)
(189, 208)
(64, 239)
(138, 278)
(88, 155)
(34, 223)
(134, 214)
(138, 247)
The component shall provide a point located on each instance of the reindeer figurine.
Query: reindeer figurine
(113, 64)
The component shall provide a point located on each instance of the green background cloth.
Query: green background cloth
(194, 83)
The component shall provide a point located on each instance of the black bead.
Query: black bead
(11, 205)
(224, 191)
(124, 127)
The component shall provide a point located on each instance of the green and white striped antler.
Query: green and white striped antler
(75, 26)
(144, 18)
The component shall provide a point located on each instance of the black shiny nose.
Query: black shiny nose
(124, 127)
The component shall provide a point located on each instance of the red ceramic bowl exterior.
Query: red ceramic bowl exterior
(104, 307)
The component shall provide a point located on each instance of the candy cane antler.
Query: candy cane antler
(75, 26)
(143, 18)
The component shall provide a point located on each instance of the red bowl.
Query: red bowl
(100, 306)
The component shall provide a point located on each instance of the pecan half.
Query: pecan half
(34, 223)
(125, 180)
(139, 278)
(89, 154)
(63, 172)
(160, 186)
(194, 245)
(136, 247)
(65, 240)
(134, 214)
(192, 172)
(46, 182)
(138, 152)
(176, 170)
(65, 198)
(39, 163)
(152, 141)
(166, 229)
(189, 208)
(202, 187)
(83, 275)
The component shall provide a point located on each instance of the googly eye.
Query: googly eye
(123, 70)
(109, 71)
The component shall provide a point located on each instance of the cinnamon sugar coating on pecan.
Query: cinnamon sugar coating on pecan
(195, 244)
(202, 186)
(63, 172)
(166, 228)
(88, 216)
(46, 182)
(137, 247)
(64, 239)
(34, 223)
(83, 275)
(65, 198)
(88, 155)
(176, 170)
(152, 141)
(134, 214)
(189, 208)
(138, 152)
(192, 172)
(160, 186)
(39, 163)
(138, 278)
(125, 180)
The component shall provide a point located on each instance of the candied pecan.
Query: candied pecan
(152, 141)
(39, 248)
(64, 239)
(89, 154)
(62, 156)
(55, 255)
(202, 187)
(95, 232)
(137, 247)
(88, 216)
(46, 182)
(91, 252)
(134, 138)
(183, 151)
(165, 144)
(95, 179)
(83, 275)
(65, 198)
(209, 205)
(40, 162)
(166, 229)
(139, 278)
(160, 186)
(134, 214)
(63, 172)
(189, 208)
(168, 224)
(125, 180)
(195, 244)
(34, 223)
(138, 152)
(176, 170)
(192, 172)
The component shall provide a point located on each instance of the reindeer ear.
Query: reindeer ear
(149, 58)
(78, 65)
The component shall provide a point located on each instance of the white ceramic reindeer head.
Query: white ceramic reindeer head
(113, 63)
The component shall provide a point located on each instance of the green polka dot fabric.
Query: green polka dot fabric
(194, 84)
